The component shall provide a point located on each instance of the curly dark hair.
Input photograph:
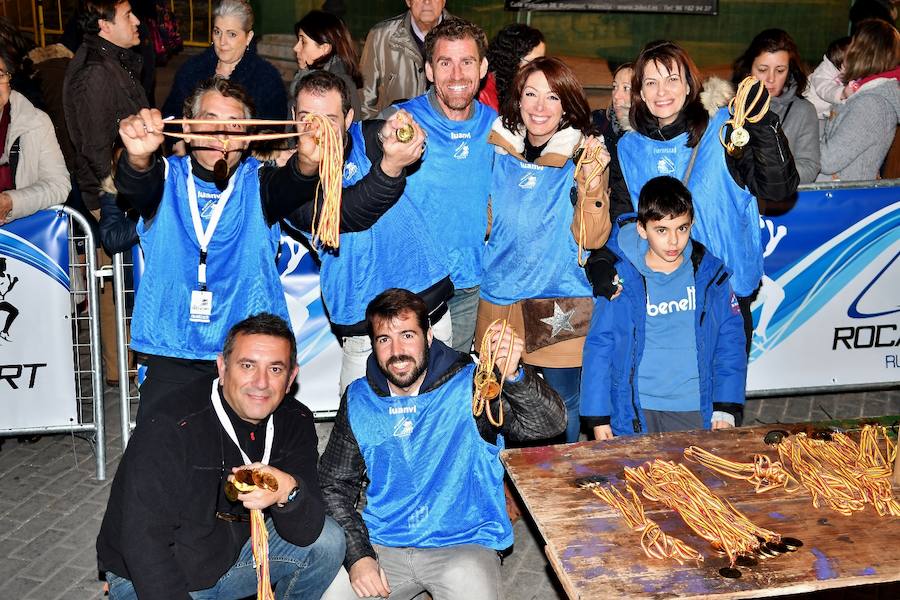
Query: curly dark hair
(772, 40)
(454, 28)
(505, 52)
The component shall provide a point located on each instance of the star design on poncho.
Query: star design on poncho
(560, 321)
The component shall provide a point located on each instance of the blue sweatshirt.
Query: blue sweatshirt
(668, 378)
(612, 374)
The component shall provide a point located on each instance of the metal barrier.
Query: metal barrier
(128, 373)
(86, 343)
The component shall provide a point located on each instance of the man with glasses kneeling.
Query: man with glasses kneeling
(209, 477)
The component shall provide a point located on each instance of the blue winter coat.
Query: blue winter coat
(615, 343)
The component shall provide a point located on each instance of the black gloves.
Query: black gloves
(601, 272)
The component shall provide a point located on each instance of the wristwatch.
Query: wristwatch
(290, 497)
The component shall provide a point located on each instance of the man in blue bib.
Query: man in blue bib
(450, 189)
(397, 250)
(209, 230)
(435, 513)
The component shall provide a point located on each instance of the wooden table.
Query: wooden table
(596, 555)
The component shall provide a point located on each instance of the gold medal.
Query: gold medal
(220, 170)
(740, 137)
(231, 492)
(405, 133)
(265, 480)
(245, 477)
(491, 389)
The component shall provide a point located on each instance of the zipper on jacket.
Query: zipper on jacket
(706, 292)
(778, 143)
(636, 421)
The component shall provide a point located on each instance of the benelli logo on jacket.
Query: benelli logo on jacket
(673, 306)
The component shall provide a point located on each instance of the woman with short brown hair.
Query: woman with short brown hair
(531, 273)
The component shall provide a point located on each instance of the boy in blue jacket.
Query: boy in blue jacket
(668, 353)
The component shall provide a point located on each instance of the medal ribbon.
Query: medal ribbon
(204, 237)
(259, 535)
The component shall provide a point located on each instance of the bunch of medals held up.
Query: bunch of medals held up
(835, 470)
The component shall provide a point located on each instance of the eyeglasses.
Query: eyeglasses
(5, 76)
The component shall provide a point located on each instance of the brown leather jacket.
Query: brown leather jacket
(392, 66)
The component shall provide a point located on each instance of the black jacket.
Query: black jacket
(766, 168)
(102, 87)
(160, 529)
(532, 411)
(257, 75)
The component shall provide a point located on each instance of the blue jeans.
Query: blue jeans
(567, 383)
(463, 306)
(296, 572)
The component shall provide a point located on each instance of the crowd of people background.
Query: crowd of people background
(621, 247)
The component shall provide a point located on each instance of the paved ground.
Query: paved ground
(51, 505)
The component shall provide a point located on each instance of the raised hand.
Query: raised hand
(399, 154)
(510, 345)
(595, 162)
(142, 136)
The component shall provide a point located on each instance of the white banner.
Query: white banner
(828, 313)
(318, 352)
(37, 374)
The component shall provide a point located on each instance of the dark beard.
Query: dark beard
(413, 375)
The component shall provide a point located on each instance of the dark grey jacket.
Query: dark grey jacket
(102, 87)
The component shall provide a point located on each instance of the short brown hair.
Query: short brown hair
(393, 302)
(225, 87)
(455, 29)
(875, 48)
(669, 54)
(561, 79)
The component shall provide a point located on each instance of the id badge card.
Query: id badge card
(201, 306)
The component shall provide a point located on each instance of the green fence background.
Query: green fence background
(711, 40)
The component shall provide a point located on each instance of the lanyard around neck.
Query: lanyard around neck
(205, 236)
(229, 427)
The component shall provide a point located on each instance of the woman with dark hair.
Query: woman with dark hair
(773, 58)
(512, 47)
(675, 134)
(860, 133)
(232, 56)
(33, 173)
(325, 43)
(531, 273)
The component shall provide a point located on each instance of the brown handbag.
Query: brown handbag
(551, 320)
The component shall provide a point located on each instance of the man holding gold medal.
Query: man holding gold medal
(435, 515)
(222, 480)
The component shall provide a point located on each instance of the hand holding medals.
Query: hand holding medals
(592, 160)
(245, 480)
(500, 348)
(403, 142)
(749, 105)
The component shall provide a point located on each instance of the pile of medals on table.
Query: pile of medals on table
(836, 471)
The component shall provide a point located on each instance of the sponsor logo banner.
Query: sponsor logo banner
(828, 312)
(37, 373)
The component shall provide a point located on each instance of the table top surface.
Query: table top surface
(595, 553)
